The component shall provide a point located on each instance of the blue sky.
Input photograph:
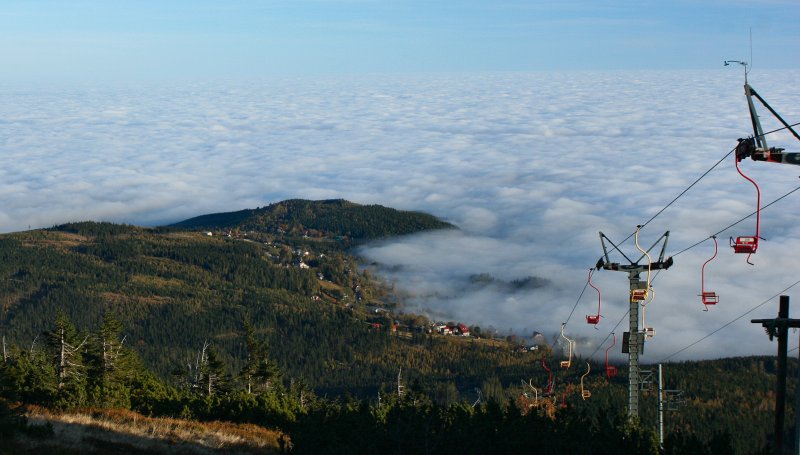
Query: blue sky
(121, 40)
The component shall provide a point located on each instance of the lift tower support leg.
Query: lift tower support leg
(634, 349)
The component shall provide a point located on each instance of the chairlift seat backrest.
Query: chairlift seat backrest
(637, 295)
(649, 332)
(586, 394)
(566, 363)
(745, 245)
(611, 371)
(593, 319)
(710, 298)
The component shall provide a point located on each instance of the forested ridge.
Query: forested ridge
(284, 329)
(328, 218)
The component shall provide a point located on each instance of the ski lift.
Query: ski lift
(639, 295)
(744, 244)
(549, 390)
(611, 370)
(591, 318)
(567, 363)
(584, 392)
(708, 297)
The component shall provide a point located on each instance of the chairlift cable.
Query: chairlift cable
(731, 322)
(609, 334)
(701, 177)
(576, 303)
(691, 246)
(780, 129)
(734, 224)
(683, 251)
(685, 190)
(680, 195)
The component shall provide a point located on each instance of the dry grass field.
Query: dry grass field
(101, 431)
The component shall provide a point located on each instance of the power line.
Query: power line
(731, 322)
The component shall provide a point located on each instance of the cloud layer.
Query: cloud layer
(530, 165)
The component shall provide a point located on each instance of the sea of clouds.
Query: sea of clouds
(530, 166)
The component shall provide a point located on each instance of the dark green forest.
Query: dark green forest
(333, 218)
(274, 323)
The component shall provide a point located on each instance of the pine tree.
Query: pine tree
(259, 373)
(65, 348)
(112, 365)
(213, 378)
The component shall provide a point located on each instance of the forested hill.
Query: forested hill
(329, 218)
(173, 289)
(210, 314)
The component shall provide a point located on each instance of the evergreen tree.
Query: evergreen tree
(211, 376)
(493, 390)
(65, 348)
(259, 373)
(111, 365)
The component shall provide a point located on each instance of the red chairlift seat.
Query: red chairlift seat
(747, 245)
(710, 298)
(594, 319)
(611, 370)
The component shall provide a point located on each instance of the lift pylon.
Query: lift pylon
(636, 339)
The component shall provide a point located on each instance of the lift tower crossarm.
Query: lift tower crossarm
(605, 263)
